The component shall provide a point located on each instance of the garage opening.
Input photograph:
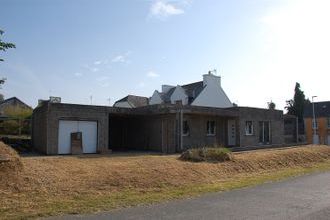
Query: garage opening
(127, 133)
(88, 130)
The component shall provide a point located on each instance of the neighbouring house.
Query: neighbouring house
(176, 123)
(11, 113)
(318, 130)
(208, 93)
(131, 101)
(12, 103)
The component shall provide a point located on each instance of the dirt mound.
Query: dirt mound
(9, 159)
(10, 168)
(281, 158)
(62, 180)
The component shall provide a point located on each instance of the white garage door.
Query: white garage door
(89, 135)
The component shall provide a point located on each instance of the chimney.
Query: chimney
(211, 79)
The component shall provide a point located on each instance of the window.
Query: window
(314, 123)
(185, 128)
(248, 128)
(210, 126)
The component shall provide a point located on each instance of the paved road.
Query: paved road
(305, 197)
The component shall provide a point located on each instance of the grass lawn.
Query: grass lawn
(84, 184)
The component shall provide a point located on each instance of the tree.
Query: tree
(271, 105)
(4, 45)
(296, 105)
(19, 121)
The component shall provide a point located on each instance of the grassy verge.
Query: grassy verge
(130, 197)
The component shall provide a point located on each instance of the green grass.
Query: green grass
(83, 204)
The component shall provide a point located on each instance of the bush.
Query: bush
(10, 127)
(211, 154)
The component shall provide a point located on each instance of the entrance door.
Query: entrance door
(231, 133)
(89, 135)
(264, 132)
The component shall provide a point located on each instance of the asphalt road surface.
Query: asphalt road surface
(305, 197)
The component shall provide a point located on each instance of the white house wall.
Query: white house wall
(179, 95)
(212, 96)
(155, 99)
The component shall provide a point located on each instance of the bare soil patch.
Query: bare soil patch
(34, 184)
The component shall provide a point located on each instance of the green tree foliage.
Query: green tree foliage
(17, 112)
(11, 127)
(19, 122)
(296, 105)
(271, 105)
(5, 45)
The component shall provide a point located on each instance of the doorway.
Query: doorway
(231, 133)
(264, 132)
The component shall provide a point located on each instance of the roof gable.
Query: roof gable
(134, 101)
(15, 102)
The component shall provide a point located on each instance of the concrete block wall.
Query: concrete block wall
(156, 129)
(58, 112)
(198, 131)
(275, 117)
(39, 128)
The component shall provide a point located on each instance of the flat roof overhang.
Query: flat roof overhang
(149, 110)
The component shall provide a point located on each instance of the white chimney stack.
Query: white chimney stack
(210, 78)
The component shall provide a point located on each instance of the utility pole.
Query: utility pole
(91, 98)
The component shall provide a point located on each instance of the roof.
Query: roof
(322, 109)
(166, 96)
(192, 90)
(134, 101)
(14, 101)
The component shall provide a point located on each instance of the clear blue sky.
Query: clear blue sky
(111, 48)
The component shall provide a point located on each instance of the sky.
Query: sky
(98, 51)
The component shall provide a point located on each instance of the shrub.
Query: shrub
(211, 154)
(10, 127)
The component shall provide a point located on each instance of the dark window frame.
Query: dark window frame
(210, 128)
(185, 128)
(249, 128)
